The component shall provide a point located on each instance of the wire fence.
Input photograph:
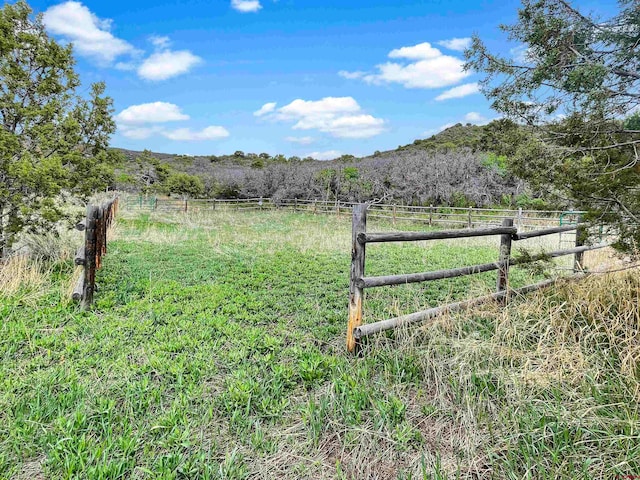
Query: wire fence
(468, 217)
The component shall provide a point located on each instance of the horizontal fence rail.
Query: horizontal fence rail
(96, 228)
(383, 281)
(508, 233)
(468, 217)
(437, 235)
(417, 317)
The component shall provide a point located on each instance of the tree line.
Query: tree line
(415, 176)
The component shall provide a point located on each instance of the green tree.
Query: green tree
(632, 122)
(502, 137)
(53, 142)
(185, 185)
(150, 172)
(575, 82)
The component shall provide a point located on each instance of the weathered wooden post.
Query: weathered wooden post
(155, 204)
(315, 207)
(519, 218)
(186, 205)
(469, 222)
(581, 236)
(430, 215)
(356, 294)
(394, 215)
(295, 204)
(503, 261)
(90, 244)
(79, 288)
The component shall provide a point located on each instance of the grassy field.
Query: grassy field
(215, 349)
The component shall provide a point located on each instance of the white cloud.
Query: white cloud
(167, 64)
(90, 35)
(435, 73)
(422, 51)
(352, 75)
(139, 122)
(188, 135)
(138, 133)
(160, 41)
(459, 92)
(246, 6)
(521, 54)
(156, 112)
(266, 108)
(355, 126)
(301, 140)
(340, 117)
(328, 155)
(458, 44)
(315, 110)
(476, 118)
(428, 68)
(125, 66)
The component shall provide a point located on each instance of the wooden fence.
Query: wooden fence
(508, 233)
(428, 215)
(89, 256)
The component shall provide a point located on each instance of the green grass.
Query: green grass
(215, 349)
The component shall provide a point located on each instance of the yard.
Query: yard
(215, 349)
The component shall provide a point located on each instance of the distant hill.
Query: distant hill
(456, 136)
(473, 137)
(462, 165)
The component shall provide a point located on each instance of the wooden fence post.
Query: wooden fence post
(469, 222)
(519, 224)
(90, 243)
(295, 204)
(186, 205)
(155, 204)
(430, 215)
(356, 294)
(581, 236)
(394, 215)
(503, 261)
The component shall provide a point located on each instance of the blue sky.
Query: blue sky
(298, 77)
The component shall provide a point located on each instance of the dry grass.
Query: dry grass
(264, 230)
(20, 273)
(569, 355)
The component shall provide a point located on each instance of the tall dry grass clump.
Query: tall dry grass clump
(27, 272)
(60, 244)
(545, 387)
(19, 272)
(588, 327)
